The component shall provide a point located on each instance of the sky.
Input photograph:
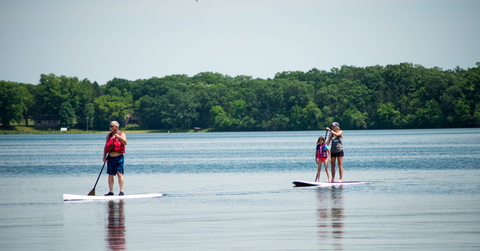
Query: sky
(140, 39)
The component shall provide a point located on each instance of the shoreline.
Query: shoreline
(31, 130)
(18, 129)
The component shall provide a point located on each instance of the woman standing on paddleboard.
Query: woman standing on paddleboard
(336, 149)
(115, 147)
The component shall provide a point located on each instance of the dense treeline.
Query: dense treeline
(395, 96)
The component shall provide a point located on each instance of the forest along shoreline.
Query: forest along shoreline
(401, 96)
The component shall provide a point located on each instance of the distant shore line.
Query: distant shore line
(31, 130)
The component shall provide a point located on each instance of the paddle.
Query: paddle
(92, 193)
(326, 131)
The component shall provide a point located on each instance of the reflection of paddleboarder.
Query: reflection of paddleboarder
(336, 137)
(115, 147)
(330, 217)
(116, 226)
(337, 213)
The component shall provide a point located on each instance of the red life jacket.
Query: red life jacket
(114, 145)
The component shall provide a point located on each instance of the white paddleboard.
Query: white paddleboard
(73, 197)
(300, 183)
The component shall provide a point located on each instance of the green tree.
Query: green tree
(204, 98)
(29, 101)
(279, 122)
(120, 84)
(12, 106)
(178, 109)
(430, 116)
(312, 117)
(221, 120)
(86, 98)
(354, 119)
(59, 96)
(216, 111)
(149, 108)
(109, 108)
(296, 118)
(238, 108)
(389, 117)
(462, 114)
(476, 116)
(298, 93)
(90, 114)
(66, 115)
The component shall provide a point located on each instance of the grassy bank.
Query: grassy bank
(22, 129)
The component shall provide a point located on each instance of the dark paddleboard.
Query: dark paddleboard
(300, 183)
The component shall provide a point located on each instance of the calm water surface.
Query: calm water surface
(233, 191)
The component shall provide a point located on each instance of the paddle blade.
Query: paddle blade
(92, 193)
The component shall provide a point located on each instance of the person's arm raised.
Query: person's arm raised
(337, 134)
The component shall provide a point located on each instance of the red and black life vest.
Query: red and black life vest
(114, 145)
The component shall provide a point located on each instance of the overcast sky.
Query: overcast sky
(136, 39)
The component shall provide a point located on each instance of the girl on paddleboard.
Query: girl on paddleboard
(322, 155)
(336, 137)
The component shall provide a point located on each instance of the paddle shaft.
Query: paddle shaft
(93, 190)
(99, 176)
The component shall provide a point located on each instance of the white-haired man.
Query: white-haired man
(115, 147)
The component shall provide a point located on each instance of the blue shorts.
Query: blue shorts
(114, 165)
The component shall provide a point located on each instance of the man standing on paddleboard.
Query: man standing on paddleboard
(115, 147)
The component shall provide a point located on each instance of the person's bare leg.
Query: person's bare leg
(326, 170)
(340, 168)
(318, 171)
(110, 183)
(333, 168)
(120, 180)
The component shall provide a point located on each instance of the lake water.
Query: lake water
(234, 191)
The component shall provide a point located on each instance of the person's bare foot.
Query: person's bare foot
(330, 181)
(340, 181)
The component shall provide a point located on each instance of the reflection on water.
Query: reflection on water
(116, 226)
(330, 217)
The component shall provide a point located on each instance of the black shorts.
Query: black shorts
(339, 154)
